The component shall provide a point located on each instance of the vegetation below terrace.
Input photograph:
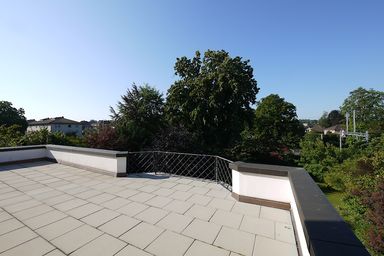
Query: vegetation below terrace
(209, 109)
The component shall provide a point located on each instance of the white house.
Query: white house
(57, 124)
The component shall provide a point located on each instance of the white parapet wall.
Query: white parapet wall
(12, 154)
(103, 161)
(270, 186)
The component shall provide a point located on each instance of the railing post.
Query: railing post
(216, 169)
(154, 162)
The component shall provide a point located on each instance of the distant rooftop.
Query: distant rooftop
(54, 120)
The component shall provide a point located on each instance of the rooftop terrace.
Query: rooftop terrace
(52, 209)
(57, 200)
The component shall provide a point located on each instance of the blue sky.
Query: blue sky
(75, 58)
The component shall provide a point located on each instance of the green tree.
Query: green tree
(275, 130)
(12, 116)
(324, 121)
(139, 116)
(369, 107)
(212, 97)
(318, 157)
(335, 117)
(10, 136)
(276, 125)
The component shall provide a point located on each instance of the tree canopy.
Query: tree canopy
(139, 116)
(369, 107)
(10, 115)
(276, 124)
(275, 130)
(212, 97)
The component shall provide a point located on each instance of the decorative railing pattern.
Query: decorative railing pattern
(209, 167)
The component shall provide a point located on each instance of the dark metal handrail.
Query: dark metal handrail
(199, 166)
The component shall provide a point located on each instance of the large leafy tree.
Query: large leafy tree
(369, 107)
(275, 130)
(276, 125)
(10, 115)
(138, 116)
(212, 97)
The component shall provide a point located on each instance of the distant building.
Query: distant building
(57, 124)
(333, 129)
(316, 128)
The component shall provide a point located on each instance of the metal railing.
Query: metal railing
(208, 167)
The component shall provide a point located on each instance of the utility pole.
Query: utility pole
(347, 120)
(354, 120)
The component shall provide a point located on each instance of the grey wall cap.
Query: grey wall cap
(4, 149)
(88, 151)
(275, 170)
(325, 231)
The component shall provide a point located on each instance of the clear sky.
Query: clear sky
(75, 57)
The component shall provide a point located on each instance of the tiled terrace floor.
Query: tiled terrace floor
(52, 209)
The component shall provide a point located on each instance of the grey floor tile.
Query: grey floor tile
(226, 218)
(104, 245)
(34, 247)
(198, 248)
(22, 206)
(132, 209)
(222, 204)
(84, 210)
(151, 215)
(175, 222)
(100, 217)
(128, 193)
(199, 190)
(116, 203)
(200, 212)
(178, 206)
(59, 228)
(181, 195)
(4, 215)
(9, 225)
(202, 230)
(258, 226)
(141, 197)
(148, 188)
(16, 237)
(200, 199)
(132, 251)
(247, 209)
(32, 212)
(218, 193)
(158, 201)
(55, 253)
(163, 192)
(119, 225)
(76, 238)
(101, 198)
(285, 233)
(275, 214)
(236, 241)
(142, 235)
(265, 246)
(170, 244)
(44, 219)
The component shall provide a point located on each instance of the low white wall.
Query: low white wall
(261, 186)
(107, 164)
(89, 159)
(270, 187)
(22, 155)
